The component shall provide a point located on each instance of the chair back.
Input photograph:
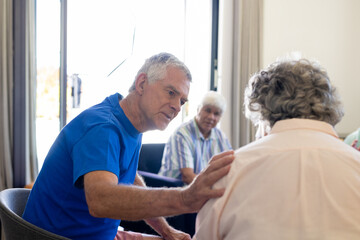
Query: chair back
(12, 205)
(150, 157)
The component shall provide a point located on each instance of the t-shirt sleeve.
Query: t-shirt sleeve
(98, 149)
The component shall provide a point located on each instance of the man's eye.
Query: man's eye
(182, 102)
(171, 93)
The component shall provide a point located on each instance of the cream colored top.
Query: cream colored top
(299, 182)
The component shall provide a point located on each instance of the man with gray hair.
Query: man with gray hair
(300, 181)
(192, 145)
(89, 181)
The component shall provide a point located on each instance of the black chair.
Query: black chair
(12, 205)
(149, 165)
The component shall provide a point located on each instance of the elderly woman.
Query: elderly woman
(191, 146)
(297, 182)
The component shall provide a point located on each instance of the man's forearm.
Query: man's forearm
(139, 181)
(159, 224)
(107, 199)
(187, 175)
(136, 203)
(131, 202)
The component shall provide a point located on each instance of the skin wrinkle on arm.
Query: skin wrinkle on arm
(105, 198)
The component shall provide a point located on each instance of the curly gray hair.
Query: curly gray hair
(292, 89)
(155, 67)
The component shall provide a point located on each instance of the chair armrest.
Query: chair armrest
(155, 180)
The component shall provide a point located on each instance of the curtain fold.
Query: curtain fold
(7, 123)
(31, 163)
(6, 94)
(246, 61)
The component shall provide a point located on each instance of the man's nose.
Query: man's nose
(211, 115)
(176, 104)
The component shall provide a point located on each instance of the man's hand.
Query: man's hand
(176, 235)
(200, 190)
(354, 145)
(165, 230)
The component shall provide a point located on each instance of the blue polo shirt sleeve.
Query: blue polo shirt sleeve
(98, 149)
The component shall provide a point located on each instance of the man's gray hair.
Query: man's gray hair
(155, 67)
(215, 99)
(292, 89)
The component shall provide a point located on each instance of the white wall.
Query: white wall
(324, 30)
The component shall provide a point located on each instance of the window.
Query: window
(107, 42)
(48, 75)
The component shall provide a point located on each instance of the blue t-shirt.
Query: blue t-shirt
(100, 138)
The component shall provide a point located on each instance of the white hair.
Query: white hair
(155, 67)
(215, 99)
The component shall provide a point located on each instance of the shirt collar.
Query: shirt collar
(199, 135)
(297, 123)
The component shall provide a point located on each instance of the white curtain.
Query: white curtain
(6, 94)
(246, 61)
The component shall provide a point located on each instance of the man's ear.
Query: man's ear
(139, 83)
